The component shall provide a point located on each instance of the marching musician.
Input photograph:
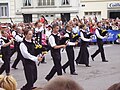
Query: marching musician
(5, 51)
(100, 38)
(18, 39)
(83, 56)
(70, 51)
(14, 33)
(54, 41)
(27, 50)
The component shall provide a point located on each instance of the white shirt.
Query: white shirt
(48, 33)
(18, 38)
(98, 34)
(2, 41)
(39, 29)
(26, 54)
(83, 38)
(52, 41)
(14, 33)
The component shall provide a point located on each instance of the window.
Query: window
(65, 2)
(51, 15)
(46, 15)
(86, 13)
(46, 2)
(83, 5)
(27, 3)
(4, 10)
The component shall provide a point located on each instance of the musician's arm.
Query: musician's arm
(83, 38)
(98, 34)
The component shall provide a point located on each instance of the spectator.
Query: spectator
(62, 83)
(7, 83)
(115, 86)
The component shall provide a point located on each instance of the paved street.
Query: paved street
(98, 77)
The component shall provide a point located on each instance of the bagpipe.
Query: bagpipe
(75, 37)
(104, 33)
(90, 35)
(64, 40)
(40, 51)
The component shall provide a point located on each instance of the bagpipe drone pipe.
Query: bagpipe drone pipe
(75, 37)
(64, 40)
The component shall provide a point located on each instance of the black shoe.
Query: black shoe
(14, 68)
(77, 63)
(34, 87)
(74, 73)
(64, 70)
(104, 60)
(47, 78)
(92, 57)
(88, 66)
(44, 62)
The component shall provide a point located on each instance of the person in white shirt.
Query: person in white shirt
(5, 51)
(18, 39)
(54, 41)
(100, 49)
(83, 56)
(27, 50)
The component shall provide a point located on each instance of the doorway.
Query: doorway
(27, 18)
(65, 17)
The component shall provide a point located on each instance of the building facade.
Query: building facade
(100, 8)
(31, 10)
(7, 10)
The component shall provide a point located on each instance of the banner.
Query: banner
(112, 36)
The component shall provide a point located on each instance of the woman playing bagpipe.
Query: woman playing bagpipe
(83, 56)
(27, 50)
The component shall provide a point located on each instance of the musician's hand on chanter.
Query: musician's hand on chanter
(64, 46)
(105, 36)
(76, 43)
(40, 58)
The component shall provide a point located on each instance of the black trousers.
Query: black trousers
(100, 50)
(57, 65)
(70, 62)
(6, 64)
(14, 49)
(17, 59)
(30, 71)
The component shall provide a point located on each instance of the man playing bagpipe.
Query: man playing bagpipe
(54, 41)
(38, 35)
(70, 52)
(5, 51)
(18, 39)
(100, 34)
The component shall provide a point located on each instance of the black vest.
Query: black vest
(5, 50)
(57, 41)
(70, 36)
(31, 49)
(100, 32)
(85, 35)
